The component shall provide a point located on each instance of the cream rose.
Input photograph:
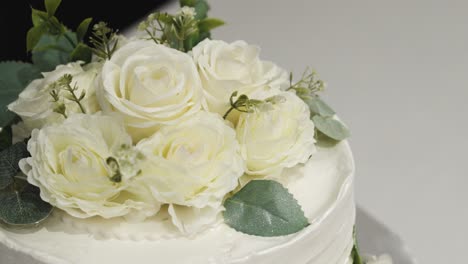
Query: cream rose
(225, 68)
(149, 85)
(69, 164)
(35, 105)
(276, 135)
(192, 166)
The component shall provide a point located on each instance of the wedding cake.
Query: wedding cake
(168, 147)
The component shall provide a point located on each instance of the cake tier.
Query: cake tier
(323, 187)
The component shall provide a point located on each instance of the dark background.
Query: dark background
(15, 18)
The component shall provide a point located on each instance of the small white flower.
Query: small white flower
(278, 135)
(187, 12)
(35, 105)
(225, 68)
(192, 166)
(149, 85)
(69, 164)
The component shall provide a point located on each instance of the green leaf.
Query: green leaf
(82, 53)
(355, 252)
(324, 141)
(51, 6)
(23, 206)
(331, 127)
(6, 137)
(201, 7)
(9, 159)
(52, 51)
(38, 17)
(14, 77)
(83, 28)
(264, 208)
(208, 24)
(317, 106)
(34, 35)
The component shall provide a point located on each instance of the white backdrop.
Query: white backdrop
(398, 75)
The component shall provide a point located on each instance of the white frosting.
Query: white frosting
(323, 187)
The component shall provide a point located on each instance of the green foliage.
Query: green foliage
(82, 52)
(355, 252)
(201, 7)
(51, 43)
(331, 127)
(264, 208)
(183, 30)
(9, 159)
(209, 24)
(104, 40)
(329, 131)
(22, 205)
(317, 106)
(53, 50)
(242, 104)
(14, 76)
(51, 6)
(6, 137)
(82, 29)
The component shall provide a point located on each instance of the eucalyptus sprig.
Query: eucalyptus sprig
(172, 30)
(308, 85)
(183, 30)
(104, 40)
(64, 83)
(59, 105)
(242, 104)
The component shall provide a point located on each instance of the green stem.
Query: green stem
(227, 113)
(75, 99)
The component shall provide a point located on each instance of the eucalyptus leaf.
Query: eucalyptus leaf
(324, 141)
(208, 24)
(264, 208)
(34, 35)
(38, 17)
(331, 127)
(52, 51)
(51, 6)
(23, 206)
(83, 28)
(82, 53)
(14, 77)
(6, 137)
(9, 159)
(317, 106)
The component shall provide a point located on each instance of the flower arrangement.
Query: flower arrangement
(108, 126)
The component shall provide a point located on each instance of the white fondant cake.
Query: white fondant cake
(323, 187)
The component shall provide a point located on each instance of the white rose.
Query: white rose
(383, 259)
(68, 164)
(149, 85)
(225, 68)
(192, 166)
(35, 105)
(278, 135)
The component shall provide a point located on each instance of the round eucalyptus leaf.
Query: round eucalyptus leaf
(264, 208)
(23, 207)
(9, 159)
(318, 107)
(331, 127)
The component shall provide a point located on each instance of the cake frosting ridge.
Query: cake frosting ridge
(323, 187)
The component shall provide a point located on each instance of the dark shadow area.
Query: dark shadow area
(15, 19)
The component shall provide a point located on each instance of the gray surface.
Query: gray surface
(397, 72)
